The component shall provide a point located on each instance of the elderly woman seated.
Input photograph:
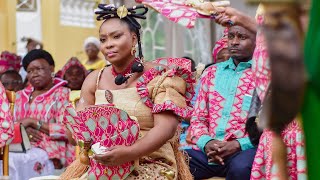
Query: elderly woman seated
(39, 108)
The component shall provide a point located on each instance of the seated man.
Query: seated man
(220, 113)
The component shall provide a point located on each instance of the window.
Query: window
(163, 38)
(26, 5)
(77, 13)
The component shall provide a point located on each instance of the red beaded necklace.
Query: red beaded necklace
(123, 73)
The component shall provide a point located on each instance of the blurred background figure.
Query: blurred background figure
(91, 46)
(11, 80)
(74, 73)
(10, 64)
(220, 52)
(32, 44)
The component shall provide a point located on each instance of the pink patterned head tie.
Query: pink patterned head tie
(220, 44)
(175, 10)
(9, 61)
(72, 62)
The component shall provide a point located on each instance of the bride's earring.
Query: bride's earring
(133, 51)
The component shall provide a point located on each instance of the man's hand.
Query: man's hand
(227, 15)
(212, 148)
(226, 149)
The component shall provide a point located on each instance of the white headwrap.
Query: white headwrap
(92, 40)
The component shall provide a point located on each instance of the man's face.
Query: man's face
(241, 43)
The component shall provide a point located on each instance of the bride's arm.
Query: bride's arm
(165, 126)
(88, 89)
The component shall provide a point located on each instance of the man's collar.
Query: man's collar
(241, 66)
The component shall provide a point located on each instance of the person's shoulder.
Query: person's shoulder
(94, 74)
(210, 69)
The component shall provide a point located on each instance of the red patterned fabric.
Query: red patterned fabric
(109, 126)
(220, 44)
(9, 61)
(174, 62)
(175, 10)
(49, 108)
(263, 167)
(260, 65)
(142, 88)
(6, 122)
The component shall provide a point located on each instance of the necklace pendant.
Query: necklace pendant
(108, 95)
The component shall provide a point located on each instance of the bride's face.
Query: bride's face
(116, 41)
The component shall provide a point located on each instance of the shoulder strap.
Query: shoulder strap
(98, 78)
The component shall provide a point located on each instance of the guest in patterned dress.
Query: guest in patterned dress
(39, 108)
(218, 121)
(74, 73)
(91, 46)
(151, 93)
(6, 122)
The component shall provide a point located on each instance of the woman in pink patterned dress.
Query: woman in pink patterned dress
(263, 166)
(39, 108)
(6, 123)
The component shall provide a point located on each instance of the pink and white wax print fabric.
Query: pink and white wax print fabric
(175, 10)
(261, 63)
(9, 61)
(48, 107)
(6, 122)
(109, 126)
(175, 63)
(263, 166)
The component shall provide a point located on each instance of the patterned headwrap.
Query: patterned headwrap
(220, 44)
(72, 62)
(9, 61)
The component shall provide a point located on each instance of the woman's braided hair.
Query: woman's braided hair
(128, 15)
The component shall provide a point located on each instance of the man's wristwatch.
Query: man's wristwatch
(39, 124)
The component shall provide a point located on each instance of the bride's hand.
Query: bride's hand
(117, 155)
